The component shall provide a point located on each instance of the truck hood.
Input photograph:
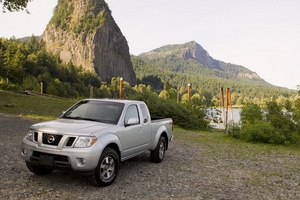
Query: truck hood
(72, 127)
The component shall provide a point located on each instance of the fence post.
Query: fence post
(41, 87)
(121, 87)
(189, 91)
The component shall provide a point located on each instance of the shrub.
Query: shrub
(266, 133)
(275, 128)
(279, 120)
(234, 130)
(262, 132)
(250, 113)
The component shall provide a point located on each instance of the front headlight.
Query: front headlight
(29, 135)
(83, 141)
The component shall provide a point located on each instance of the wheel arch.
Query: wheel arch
(162, 131)
(111, 140)
(115, 147)
(165, 135)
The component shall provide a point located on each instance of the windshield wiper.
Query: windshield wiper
(70, 117)
(88, 119)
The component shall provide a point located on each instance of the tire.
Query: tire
(158, 154)
(38, 169)
(107, 168)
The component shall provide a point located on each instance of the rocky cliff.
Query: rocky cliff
(195, 51)
(84, 32)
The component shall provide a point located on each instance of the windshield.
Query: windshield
(100, 111)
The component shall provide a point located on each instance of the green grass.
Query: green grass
(35, 107)
(219, 139)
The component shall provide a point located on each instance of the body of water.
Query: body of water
(217, 116)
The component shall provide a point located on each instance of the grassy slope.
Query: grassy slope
(36, 107)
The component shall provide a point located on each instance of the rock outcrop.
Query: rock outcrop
(84, 32)
(197, 52)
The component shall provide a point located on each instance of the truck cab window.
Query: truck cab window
(145, 113)
(132, 112)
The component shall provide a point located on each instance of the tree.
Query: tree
(279, 120)
(164, 94)
(296, 114)
(250, 114)
(31, 83)
(14, 5)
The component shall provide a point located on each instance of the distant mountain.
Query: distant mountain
(191, 57)
(180, 64)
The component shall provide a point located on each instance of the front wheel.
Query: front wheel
(107, 168)
(158, 154)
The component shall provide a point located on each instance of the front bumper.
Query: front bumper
(69, 158)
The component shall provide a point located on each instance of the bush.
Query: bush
(234, 130)
(266, 133)
(262, 132)
(250, 114)
(275, 128)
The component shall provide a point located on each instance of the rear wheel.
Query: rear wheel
(107, 169)
(158, 154)
(38, 169)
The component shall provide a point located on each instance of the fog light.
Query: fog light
(24, 151)
(83, 161)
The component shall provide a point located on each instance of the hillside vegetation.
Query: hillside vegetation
(189, 63)
(89, 22)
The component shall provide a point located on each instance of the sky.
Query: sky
(261, 35)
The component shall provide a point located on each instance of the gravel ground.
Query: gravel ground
(189, 171)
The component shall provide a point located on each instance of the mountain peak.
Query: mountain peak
(84, 32)
(179, 56)
(193, 50)
(189, 50)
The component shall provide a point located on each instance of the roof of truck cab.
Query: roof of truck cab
(115, 100)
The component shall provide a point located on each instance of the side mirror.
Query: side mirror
(131, 121)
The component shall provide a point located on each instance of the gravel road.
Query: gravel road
(189, 171)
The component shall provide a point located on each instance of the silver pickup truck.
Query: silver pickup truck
(94, 136)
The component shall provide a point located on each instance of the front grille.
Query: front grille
(70, 141)
(35, 136)
(55, 157)
(51, 139)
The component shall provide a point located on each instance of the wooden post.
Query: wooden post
(189, 91)
(222, 103)
(121, 87)
(91, 91)
(231, 111)
(227, 102)
(41, 87)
